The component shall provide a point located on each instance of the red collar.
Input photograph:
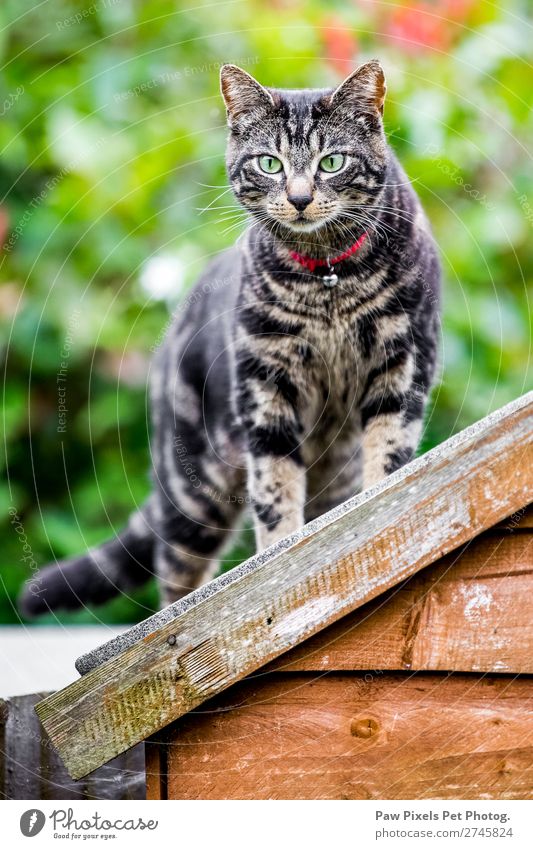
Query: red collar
(310, 263)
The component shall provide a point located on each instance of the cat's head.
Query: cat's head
(308, 158)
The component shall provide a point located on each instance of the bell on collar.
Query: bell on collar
(330, 279)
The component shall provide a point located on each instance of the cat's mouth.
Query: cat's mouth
(301, 224)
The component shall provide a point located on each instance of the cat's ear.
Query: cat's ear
(242, 94)
(364, 88)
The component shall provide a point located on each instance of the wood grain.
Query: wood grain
(156, 772)
(351, 736)
(521, 520)
(471, 611)
(279, 598)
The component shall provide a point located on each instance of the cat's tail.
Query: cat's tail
(115, 566)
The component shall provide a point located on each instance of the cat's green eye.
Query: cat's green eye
(332, 162)
(270, 164)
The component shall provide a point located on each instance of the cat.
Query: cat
(298, 370)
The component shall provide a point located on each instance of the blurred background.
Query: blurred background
(112, 140)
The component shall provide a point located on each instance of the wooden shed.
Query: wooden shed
(385, 652)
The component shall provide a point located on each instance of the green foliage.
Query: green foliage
(112, 135)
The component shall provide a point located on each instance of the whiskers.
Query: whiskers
(228, 213)
(392, 210)
(360, 223)
(260, 220)
(371, 218)
(231, 217)
(339, 227)
(211, 205)
(234, 222)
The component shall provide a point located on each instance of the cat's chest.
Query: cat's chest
(334, 374)
(325, 344)
(330, 328)
(326, 312)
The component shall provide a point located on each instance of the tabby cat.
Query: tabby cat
(298, 369)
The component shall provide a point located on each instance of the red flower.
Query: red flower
(417, 24)
(340, 45)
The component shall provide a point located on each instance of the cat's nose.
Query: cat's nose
(300, 202)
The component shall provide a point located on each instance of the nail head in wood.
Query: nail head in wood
(364, 727)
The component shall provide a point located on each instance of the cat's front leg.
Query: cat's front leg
(277, 492)
(276, 473)
(391, 416)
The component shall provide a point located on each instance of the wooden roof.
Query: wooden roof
(138, 683)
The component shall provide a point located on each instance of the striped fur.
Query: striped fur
(272, 391)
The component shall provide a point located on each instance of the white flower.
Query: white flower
(162, 276)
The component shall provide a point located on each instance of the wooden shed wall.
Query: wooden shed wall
(353, 736)
(398, 700)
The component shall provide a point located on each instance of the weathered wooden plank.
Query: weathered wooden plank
(472, 611)
(156, 772)
(226, 630)
(345, 736)
(30, 767)
(521, 520)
